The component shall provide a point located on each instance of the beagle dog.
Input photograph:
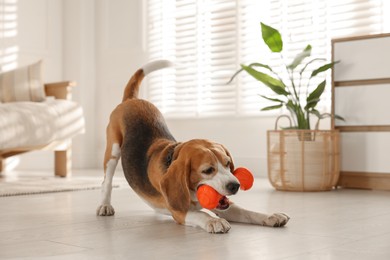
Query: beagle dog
(166, 173)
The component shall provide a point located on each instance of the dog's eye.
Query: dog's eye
(209, 170)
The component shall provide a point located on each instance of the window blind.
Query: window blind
(208, 40)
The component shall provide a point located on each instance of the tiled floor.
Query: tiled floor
(342, 224)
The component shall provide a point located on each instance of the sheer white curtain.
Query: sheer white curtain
(209, 39)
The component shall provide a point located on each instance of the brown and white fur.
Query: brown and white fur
(166, 173)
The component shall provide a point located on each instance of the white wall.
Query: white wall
(39, 36)
(99, 44)
(79, 64)
(62, 33)
(39, 26)
(120, 51)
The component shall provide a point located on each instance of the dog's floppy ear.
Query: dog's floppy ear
(175, 187)
(231, 158)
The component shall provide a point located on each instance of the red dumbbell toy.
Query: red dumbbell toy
(209, 198)
(245, 178)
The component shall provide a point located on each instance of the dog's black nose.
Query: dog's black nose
(233, 187)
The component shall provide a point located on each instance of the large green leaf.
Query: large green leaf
(315, 112)
(323, 68)
(276, 85)
(314, 97)
(312, 103)
(272, 107)
(339, 117)
(273, 99)
(310, 62)
(325, 115)
(297, 112)
(272, 38)
(300, 57)
(256, 64)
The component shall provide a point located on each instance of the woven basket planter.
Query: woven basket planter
(303, 160)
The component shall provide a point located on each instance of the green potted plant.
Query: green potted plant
(299, 158)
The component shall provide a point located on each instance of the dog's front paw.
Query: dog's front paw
(276, 220)
(217, 225)
(105, 210)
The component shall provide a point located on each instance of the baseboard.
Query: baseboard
(364, 180)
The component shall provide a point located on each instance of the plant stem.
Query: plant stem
(291, 79)
(297, 110)
(307, 87)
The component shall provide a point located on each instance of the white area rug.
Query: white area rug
(39, 185)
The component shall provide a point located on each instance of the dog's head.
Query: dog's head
(195, 163)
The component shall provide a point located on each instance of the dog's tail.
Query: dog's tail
(132, 88)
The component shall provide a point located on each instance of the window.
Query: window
(208, 39)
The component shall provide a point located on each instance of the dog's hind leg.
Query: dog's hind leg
(111, 158)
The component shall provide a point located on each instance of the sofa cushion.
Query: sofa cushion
(31, 124)
(22, 84)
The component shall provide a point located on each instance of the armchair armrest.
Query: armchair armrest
(60, 90)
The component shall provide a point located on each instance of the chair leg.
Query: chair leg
(63, 162)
